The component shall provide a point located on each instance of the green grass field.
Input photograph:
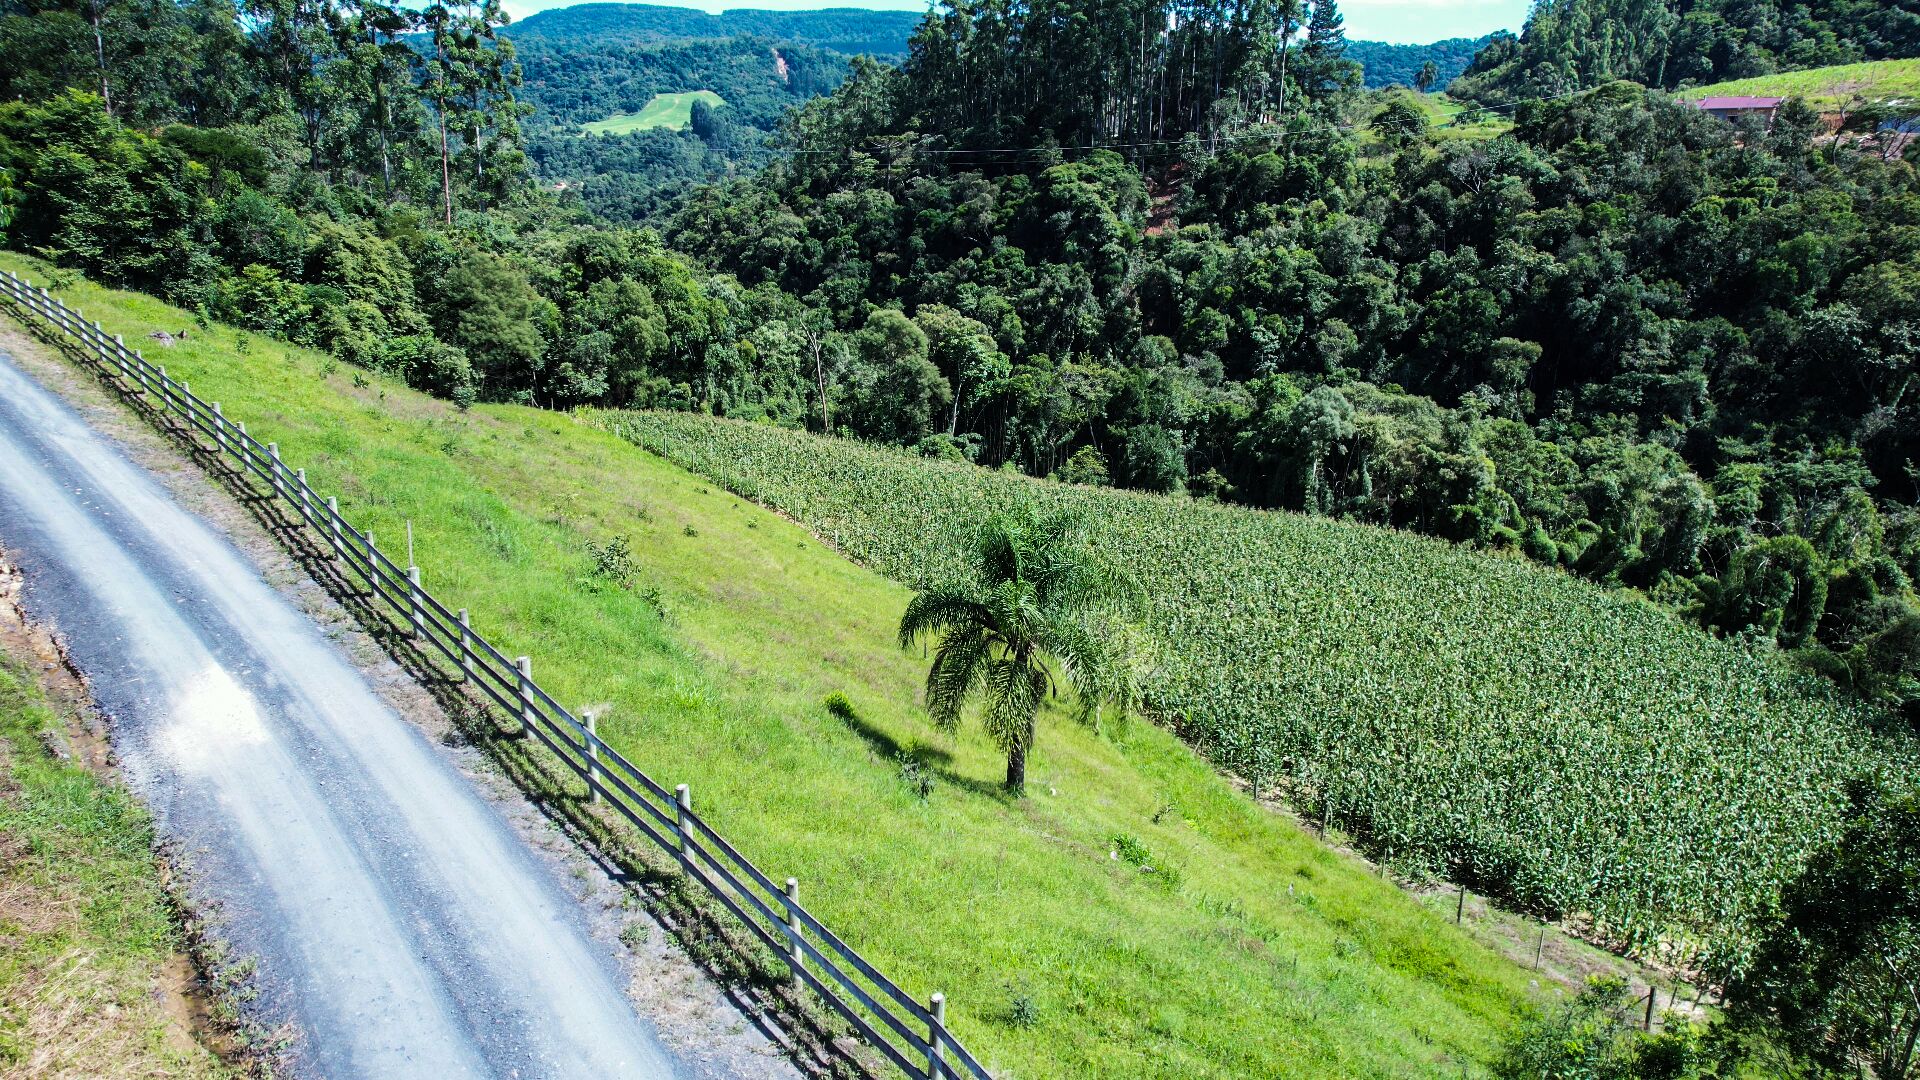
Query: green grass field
(673, 111)
(1263, 952)
(1828, 87)
(86, 931)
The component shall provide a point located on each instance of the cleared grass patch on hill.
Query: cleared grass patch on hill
(673, 111)
(1249, 950)
(1505, 724)
(1827, 87)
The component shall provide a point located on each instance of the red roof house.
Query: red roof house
(1726, 108)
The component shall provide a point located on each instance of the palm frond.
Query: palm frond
(956, 672)
(942, 609)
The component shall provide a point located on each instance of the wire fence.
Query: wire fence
(910, 1034)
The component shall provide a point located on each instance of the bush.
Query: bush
(613, 562)
(1087, 466)
(1777, 586)
(1839, 970)
(839, 705)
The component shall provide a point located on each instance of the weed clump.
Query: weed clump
(612, 563)
(918, 777)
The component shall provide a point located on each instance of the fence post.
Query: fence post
(274, 466)
(524, 665)
(936, 1034)
(466, 652)
(1461, 911)
(166, 399)
(796, 957)
(241, 449)
(219, 428)
(592, 746)
(417, 614)
(1652, 993)
(1540, 946)
(682, 806)
(300, 488)
(333, 524)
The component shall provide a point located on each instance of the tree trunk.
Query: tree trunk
(1017, 769)
(446, 173)
(100, 56)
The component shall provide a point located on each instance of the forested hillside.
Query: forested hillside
(635, 175)
(843, 30)
(1382, 64)
(1572, 45)
(596, 62)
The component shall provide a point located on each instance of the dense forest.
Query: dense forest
(1570, 45)
(850, 31)
(636, 175)
(590, 62)
(1681, 363)
(1382, 64)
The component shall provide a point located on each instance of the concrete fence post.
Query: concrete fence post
(417, 613)
(274, 466)
(304, 493)
(936, 1037)
(796, 956)
(166, 399)
(219, 428)
(466, 650)
(373, 570)
(241, 449)
(333, 525)
(683, 806)
(524, 665)
(590, 747)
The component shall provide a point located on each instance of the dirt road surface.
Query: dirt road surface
(392, 912)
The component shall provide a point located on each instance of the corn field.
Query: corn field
(1576, 753)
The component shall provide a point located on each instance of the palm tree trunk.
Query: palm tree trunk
(1017, 769)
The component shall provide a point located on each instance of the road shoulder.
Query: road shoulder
(696, 1017)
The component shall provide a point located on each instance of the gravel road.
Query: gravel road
(393, 914)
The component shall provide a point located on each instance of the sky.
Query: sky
(1406, 21)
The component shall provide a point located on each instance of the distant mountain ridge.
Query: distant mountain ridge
(885, 34)
(1386, 64)
(844, 30)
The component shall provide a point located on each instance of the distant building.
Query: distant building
(1727, 108)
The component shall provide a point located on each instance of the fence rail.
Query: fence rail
(911, 1035)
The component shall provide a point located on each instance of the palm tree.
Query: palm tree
(1023, 619)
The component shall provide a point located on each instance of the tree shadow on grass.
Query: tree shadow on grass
(932, 758)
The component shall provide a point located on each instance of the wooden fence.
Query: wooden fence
(912, 1035)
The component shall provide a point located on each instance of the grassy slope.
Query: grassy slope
(1443, 113)
(665, 110)
(85, 926)
(1275, 957)
(1880, 80)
